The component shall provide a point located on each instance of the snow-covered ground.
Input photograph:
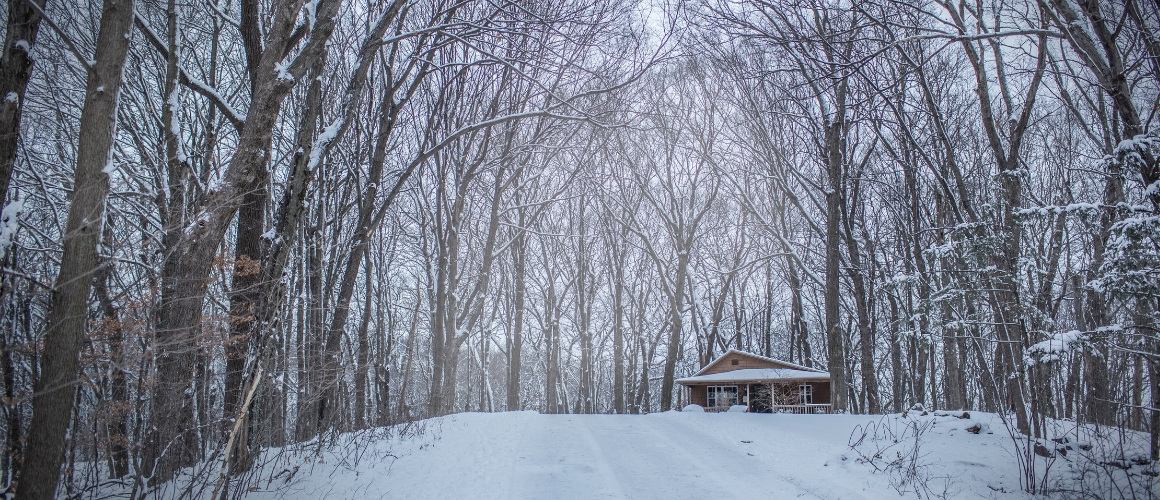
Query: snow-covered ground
(526, 455)
(674, 455)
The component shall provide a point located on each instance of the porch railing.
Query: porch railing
(811, 408)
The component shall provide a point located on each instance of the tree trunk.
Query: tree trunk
(244, 297)
(383, 344)
(1010, 330)
(1005, 303)
(118, 426)
(552, 348)
(364, 348)
(14, 412)
(835, 346)
(404, 410)
(309, 379)
(383, 356)
(798, 330)
(15, 70)
(898, 387)
(584, 314)
(676, 319)
(618, 386)
(515, 350)
(767, 316)
(954, 386)
(55, 389)
(861, 307)
(643, 405)
(437, 291)
(1154, 413)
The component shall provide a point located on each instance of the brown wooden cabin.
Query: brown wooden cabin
(764, 385)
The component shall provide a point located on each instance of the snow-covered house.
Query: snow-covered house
(763, 384)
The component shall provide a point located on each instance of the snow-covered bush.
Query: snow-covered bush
(693, 408)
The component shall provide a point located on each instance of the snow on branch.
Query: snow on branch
(1060, 209)
(1054, 348)
(1062, 343)
(9, 223)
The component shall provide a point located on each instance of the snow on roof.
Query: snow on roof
(763, 358)
(749, 375)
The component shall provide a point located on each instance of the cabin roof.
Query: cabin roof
(774, 363)
(754, 375)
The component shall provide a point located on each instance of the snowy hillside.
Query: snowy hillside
(526, 455)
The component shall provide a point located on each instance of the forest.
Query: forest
(236, 225)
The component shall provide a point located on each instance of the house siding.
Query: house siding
(698, 396)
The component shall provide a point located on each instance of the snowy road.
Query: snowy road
(577, 456)
(525, 455)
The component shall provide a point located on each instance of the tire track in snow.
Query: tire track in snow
(555, 461)
(751, 478)
(646, 467)
(712, 441)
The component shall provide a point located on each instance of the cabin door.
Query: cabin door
(760, 398)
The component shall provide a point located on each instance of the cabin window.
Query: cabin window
(721, 395)
(805, 394)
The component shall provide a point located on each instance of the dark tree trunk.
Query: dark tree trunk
(954, 386)
(552, 348)
(767, 317)
(862, 304)
(835, 337)
(515, 350)
(1154, 413)
(584, 298)
(245, 288)
(798, 331)
(311, 346)
(364, 348)
(15, 70)
(898, 387)
(675, 320)
(383, 356)
(404, 410)
(244, 297)
(118, 426)
(55, 389)
(14, 412)
(618, 386)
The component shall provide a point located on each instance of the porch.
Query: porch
(801, 409)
